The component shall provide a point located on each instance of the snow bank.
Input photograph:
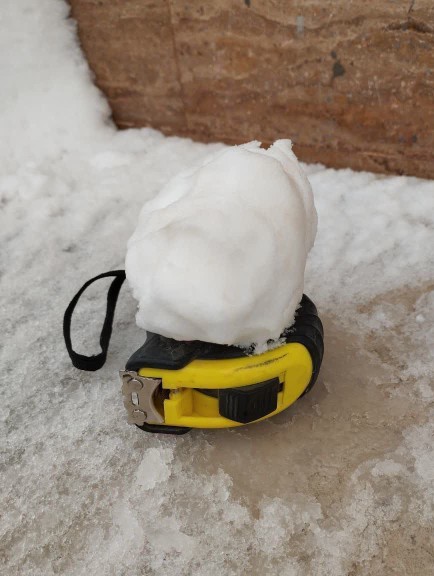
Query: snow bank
(49, 105)
(219, 255)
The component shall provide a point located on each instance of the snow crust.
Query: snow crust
(343, 488)
(219, 254)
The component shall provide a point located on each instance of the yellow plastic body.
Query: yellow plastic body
(187, 406)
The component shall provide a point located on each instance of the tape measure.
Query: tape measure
(170, 386)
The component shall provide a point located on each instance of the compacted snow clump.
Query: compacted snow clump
(219, 254)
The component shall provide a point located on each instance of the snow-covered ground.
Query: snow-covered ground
(340, 484)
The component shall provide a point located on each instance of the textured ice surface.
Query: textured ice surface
(217, 241)
(344, 478)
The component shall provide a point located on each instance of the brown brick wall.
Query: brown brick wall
(352, 83)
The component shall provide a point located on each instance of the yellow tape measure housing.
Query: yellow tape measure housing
(187, 406)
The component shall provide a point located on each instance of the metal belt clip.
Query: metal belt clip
(138, 395)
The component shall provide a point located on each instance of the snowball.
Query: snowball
(219, 255)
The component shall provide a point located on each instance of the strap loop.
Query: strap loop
(92, 363)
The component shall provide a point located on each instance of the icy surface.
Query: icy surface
(213, 245)
(340, 484)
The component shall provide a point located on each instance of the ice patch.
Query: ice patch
(278, 521)
(387, 468)
(154, 468)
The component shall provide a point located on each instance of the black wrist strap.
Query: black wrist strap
(92, 363)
